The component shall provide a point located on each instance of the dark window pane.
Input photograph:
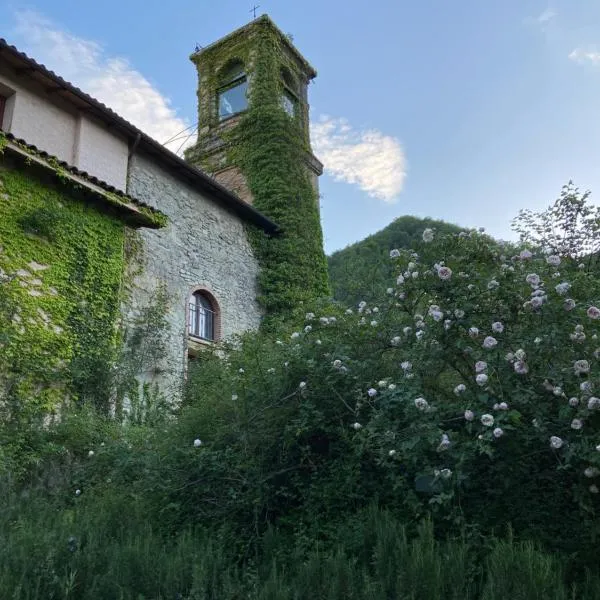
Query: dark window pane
(233, 100)
(234, 72)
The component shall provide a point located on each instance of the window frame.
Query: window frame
(229, 80)
(201, 324)
(195, 334)
(294, 101)
(3, 100)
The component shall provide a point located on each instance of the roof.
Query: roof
(131, 210)
(26, 66)
(262, 20)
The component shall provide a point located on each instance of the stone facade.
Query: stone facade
(203, 246)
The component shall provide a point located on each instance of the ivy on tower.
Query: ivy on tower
(253, 137)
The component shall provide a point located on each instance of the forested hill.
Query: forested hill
(363, 270)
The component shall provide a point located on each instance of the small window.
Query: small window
(232, 95)
(2, 106)
(202, 317)
(288, 103)
(289, 96)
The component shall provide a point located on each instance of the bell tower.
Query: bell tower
(228, 75)
(253, 137)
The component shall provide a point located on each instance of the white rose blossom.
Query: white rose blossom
(591, 472)
(593, 403)
(576, 424)
(395, 253)
(487, 420)
(421, 404)
(533, 279)
(569, 304)
(555, 442)
(498, 432)
(469, 415)
(356, 426)
(480, 366)
(536, 301)
(562, 288)
(490, 342)
(574, 402)
(553, 260)
(593, 312)
(428, 235)
(581, 366)
(445, 443)
(497, 327)
(520, 367)
(460, 388)
(481, 379)
(444, 273)
(473, 332)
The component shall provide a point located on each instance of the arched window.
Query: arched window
(232, 93)
(202, 321)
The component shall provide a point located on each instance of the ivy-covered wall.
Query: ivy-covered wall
(61, 266)
(271, 149)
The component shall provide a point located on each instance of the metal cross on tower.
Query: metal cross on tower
(254, 9)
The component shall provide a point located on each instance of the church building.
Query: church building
(99, 222)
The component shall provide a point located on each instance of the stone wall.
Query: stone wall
(205, 245)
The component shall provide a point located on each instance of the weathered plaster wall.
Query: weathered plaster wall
(203, 245)
(102, 153)
(57, 128)
(39, 121)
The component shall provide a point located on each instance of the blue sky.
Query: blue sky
(464, 111)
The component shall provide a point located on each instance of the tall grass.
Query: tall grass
(105, 547)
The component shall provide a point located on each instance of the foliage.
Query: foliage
(321, 464)
(362, 271)
(138, 395)
(570, 227)
(100, 544)
(270, 148)
(61, 263)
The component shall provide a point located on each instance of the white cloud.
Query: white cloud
(546, 16)
(373, 161)
(582, 56)
(112, 80)
(543, 21)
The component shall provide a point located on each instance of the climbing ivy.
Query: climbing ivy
(61, 266)
(270, 149)
(146, 214)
